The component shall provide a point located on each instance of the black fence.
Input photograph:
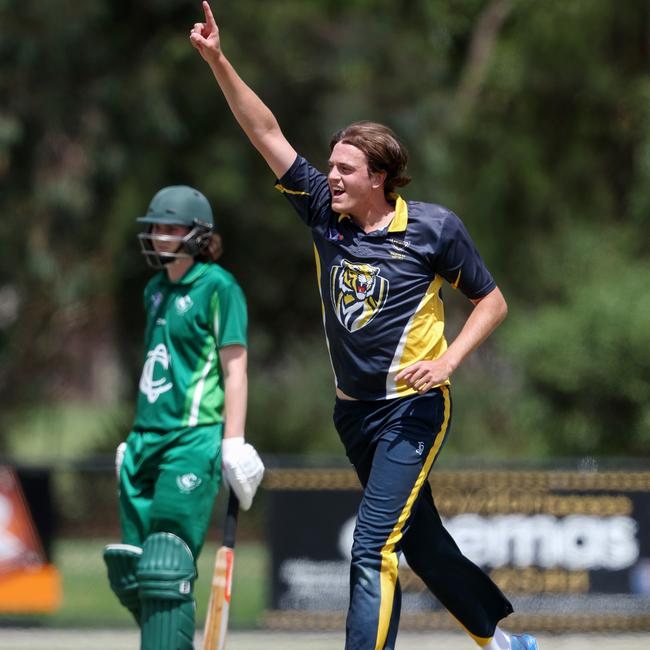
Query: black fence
(569, 544)
(570, 548)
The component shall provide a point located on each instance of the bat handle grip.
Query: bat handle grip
(230, 525)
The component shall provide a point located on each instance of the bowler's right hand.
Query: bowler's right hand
(205, 36)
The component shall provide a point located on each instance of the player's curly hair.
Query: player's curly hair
(385, 153)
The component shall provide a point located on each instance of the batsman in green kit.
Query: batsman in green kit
(189, 421)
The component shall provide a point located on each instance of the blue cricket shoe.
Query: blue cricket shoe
(523, 642)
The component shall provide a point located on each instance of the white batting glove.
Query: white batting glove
(242, 468)
(119, 458)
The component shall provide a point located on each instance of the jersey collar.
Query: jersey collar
(401, 218)
(194, 272)
(399, 221)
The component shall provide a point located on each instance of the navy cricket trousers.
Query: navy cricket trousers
(393, 445)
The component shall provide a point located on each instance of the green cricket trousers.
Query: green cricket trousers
(168, 483)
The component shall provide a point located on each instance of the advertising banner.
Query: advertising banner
(571, 550)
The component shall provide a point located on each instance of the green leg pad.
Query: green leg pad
(167, 625)
(166, 575)
(122, 563)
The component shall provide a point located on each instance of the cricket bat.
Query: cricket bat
(216, 621)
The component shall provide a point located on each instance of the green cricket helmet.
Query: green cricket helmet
(178, 205)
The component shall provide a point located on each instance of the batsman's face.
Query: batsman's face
(350, 182)
(167, 237)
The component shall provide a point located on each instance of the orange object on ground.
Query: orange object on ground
(28, 583)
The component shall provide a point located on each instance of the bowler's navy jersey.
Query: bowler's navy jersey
(381, 291)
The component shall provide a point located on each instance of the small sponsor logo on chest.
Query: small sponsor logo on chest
(156, 299)
(183, 304)
(334, 235)
(398, 246)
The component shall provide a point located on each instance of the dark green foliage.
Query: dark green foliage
(529, 119)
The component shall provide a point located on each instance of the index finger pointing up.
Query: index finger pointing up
(209, 18)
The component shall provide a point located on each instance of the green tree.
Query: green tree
(529, 119)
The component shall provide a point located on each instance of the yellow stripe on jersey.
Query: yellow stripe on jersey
(421, 339)
(454, 284)
(322, 308)
(284, 190)
(389, 561)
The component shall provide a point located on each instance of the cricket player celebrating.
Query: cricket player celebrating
(381, 262)
(189, 420)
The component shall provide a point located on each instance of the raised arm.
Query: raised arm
(254, 117)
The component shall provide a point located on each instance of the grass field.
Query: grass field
(13, 639)
(89, 602)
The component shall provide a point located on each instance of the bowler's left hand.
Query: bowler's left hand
(423, 375)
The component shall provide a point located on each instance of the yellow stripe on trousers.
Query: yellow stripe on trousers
(481, 641)
(388, 575)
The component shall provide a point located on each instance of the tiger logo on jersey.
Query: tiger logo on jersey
(358, 293)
